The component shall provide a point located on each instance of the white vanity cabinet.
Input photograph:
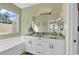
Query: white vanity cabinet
(44, 46)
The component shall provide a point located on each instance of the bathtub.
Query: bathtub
(12, 46)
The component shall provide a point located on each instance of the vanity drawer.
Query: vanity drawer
(39, 51)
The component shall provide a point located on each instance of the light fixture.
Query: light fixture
(45, 11)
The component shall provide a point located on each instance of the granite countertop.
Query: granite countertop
(47, 36)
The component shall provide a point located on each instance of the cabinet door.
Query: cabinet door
(59, 47)
(48, 47)
(52, 46)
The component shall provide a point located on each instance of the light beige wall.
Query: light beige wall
(28, 13)
(14, 9)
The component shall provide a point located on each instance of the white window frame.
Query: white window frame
(18, 21)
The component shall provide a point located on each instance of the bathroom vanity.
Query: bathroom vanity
(44, 45)
(48, 36)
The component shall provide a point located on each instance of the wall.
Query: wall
(28, 13)
(14, 9)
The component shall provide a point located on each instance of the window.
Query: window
(8, 22)
(52, 26)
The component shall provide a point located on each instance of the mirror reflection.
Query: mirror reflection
(47, 24)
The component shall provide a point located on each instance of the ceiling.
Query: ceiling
(24, 5)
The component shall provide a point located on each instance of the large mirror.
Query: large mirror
(47, 24)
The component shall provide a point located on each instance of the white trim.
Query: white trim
(71, 35)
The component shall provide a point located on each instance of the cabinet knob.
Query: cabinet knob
(52, 46)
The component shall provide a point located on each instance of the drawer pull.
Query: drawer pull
(52, 46)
